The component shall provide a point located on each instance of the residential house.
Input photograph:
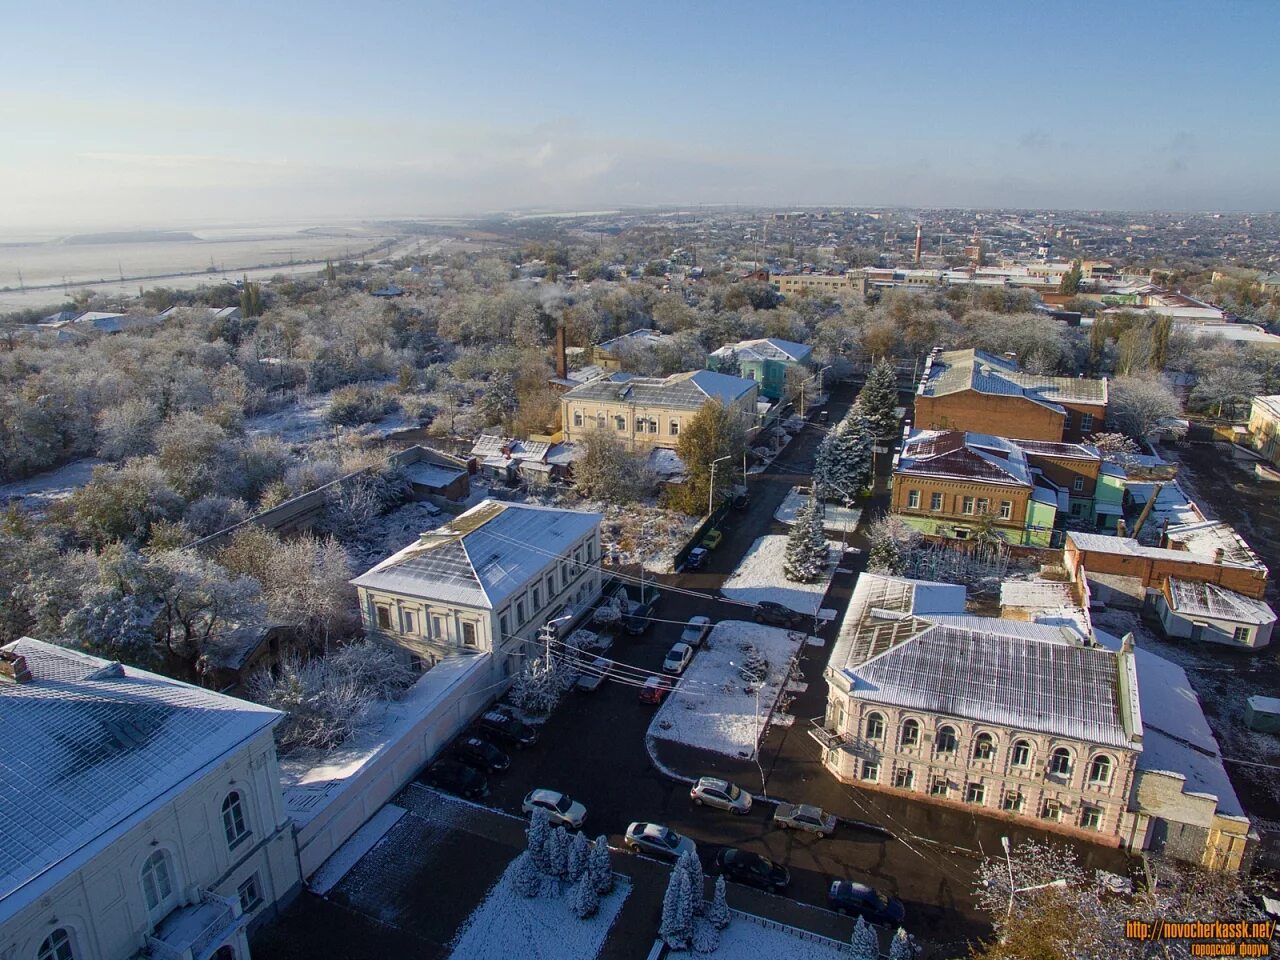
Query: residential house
(484, 582)
(612, 355)
(766, 361)
(646, 412)
(534, 461)
(1192, 610)
(142, 815)
(1125, 557)
(973, 390)
(1264, 427)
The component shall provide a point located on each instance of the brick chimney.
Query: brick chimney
(562, 361)
(14, 667)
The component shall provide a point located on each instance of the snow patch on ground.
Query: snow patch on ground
(304, 420)
(507, 925)
(642, 533)
(749, 937)
(361, 842)
(42, 489)
(835, 517)
(759, 577)
(712, 707)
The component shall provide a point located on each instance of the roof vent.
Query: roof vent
(880, 613)
(13, 666)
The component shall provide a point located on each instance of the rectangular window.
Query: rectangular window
(1011, 802)
(577, 418)
(1241, 635)
(1006, 509)
(591, 551)
(975, 793)
(938, 787)
(984, 505)
(410, 625)
(935, 502)
(870, 770)
(962, 533)
(551, 584)
(384, 617)
(967, 505)
(653, 425)
(1091, 817)
(1066, 421)
(519, 614)
(564, 572)
(675, 428)
(1077, 509)
(250, 894)
(904, 779)
(1077, 484)
(1051, 810)
(536, 594)
(1086, 422)
(437, 628)
(913, 499)
(621, 423)
(468, 634)
(504, 627)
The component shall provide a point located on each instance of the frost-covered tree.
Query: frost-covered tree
(195, 598)
(676, 927)
(212, 513)
(1142, 406)
(539, 836)
(557, 852)
(598, 866)
(526, 878)
(585, 899)
(579, 852)
(540, 685)
(806, 556)
(690, 864)
(718, 910)
(878, 400)
(864, 943)
(843, 465)
(706, 938)
(893, 541)
(902, 947)
(607, 470)
(122, 503)
(127, 429)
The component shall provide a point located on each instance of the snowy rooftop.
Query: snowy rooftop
(769, 348)
(1127, 546)
(954, 371)
(1211, 600)
(91, 748)
(967, 456)
(684, 391)
(883, 611)
(1036, 594)
(432, 474)
(645, 338)
(483, 556)
(1207, 537)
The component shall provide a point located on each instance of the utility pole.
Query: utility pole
(711, 491)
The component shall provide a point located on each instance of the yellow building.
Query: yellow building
(646, 412)
(817, 284)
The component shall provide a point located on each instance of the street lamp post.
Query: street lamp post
(711, 491)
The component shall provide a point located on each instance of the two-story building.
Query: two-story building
(766, 361)
(647, 412)
(142, 816)
(975, 391)
(613, 355)
(485, 582)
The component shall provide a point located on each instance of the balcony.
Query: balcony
(828, 738)
(195, 931)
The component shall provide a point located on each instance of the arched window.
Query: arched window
(157, 884)
(57, 946)
(1100, 770)
(233, 823)
(1060, 762)
(910, 733)
(947, 742)
(984, 747)
(875, 726)
(1021, 754)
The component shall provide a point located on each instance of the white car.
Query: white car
(678, 658)
(695, 631)
(562, 810)
(721, 794)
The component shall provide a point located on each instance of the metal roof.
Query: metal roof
(1210, 600)
(482, 557)
(1207, 537)
(1127, 546)
(90, 749)
(954, 371)
(966, 456)
(684, 391)
(767, 348)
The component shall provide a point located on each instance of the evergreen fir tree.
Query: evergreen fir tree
(690, 864)
(579, 851)
(677, 921)
(806, 557)
(878, 399)
(599, 867)
(558, 853)
(585, 899)
(718, 911)
(539, 835)
(902, 947)
(885, 557)
(706, 938)
(866, 944)
(527, 879)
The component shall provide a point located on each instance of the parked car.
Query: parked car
(593, 674)
(714, 792)
(859, 900)
(457, 778)
(695, 631)
(563, 810)
(823, 416)
(480, 753)
(678, 658)
(637, 620)
(655, 689)
(508, 729)
(697, 557)
(776, 615)
(659, 840)
(804, 816)
(712, 539)
(752, 869)
(741, 499)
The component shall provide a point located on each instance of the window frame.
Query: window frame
(967, 504)
(1061, 762)
(674, 426)
(58, 945)
(870, 771)
(875, 732)
(980, 741)
(904, 778)
(975, 793)
(382, 616)
(913, 499)
(470, 636)
(157, 871)
(1241, 634)
(1090, 812)
(250, 883)
(1006, 510)
(909, 724)
(1023, 747)
(947, 739)
(1100, 762)
(935, 502)
(235, 825)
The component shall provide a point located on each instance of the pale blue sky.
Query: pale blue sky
(148, 112)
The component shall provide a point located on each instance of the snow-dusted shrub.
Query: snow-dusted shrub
(585, 899)
(865, 943)
(718, 909)
(676, 927)
(706, 937)
(353, 406)
(755, 667)
(598, 866)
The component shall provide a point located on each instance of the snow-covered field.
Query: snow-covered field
(749, 938)
(835, 518)
(43, 488)
(759, 577)
(712, 707)
(304, 421)
(507, 925)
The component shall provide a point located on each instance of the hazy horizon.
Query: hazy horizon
(148, 115)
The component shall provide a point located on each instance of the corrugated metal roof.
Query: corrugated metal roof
(89, 748)
(1211, 600)
(682, 391)
(966, 456)
(955, 370)
(768, 348)
(1126, 546)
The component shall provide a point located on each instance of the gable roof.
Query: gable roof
(1210, 600)
(954, 371)
(1127, 546)
(964, 456)
(767, 348)
(90, 749)
(482, 557)
(645, 337)
(681, 391)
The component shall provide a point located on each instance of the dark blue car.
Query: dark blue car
(859, 900)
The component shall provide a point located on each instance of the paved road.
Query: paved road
(593, 748)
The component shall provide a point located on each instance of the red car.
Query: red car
(655, 690)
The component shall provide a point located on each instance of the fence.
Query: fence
(696, 537)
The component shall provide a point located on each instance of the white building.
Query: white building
(140, 813)
(1206, 611)
(485, 582)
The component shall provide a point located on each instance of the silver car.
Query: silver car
(658, 840)
(562, 810)
(803, 816)
(722, 795)
(695, 631)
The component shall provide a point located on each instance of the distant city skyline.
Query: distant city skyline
(149, 114)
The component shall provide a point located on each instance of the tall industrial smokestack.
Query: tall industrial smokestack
(919, 241)
(562, 361)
